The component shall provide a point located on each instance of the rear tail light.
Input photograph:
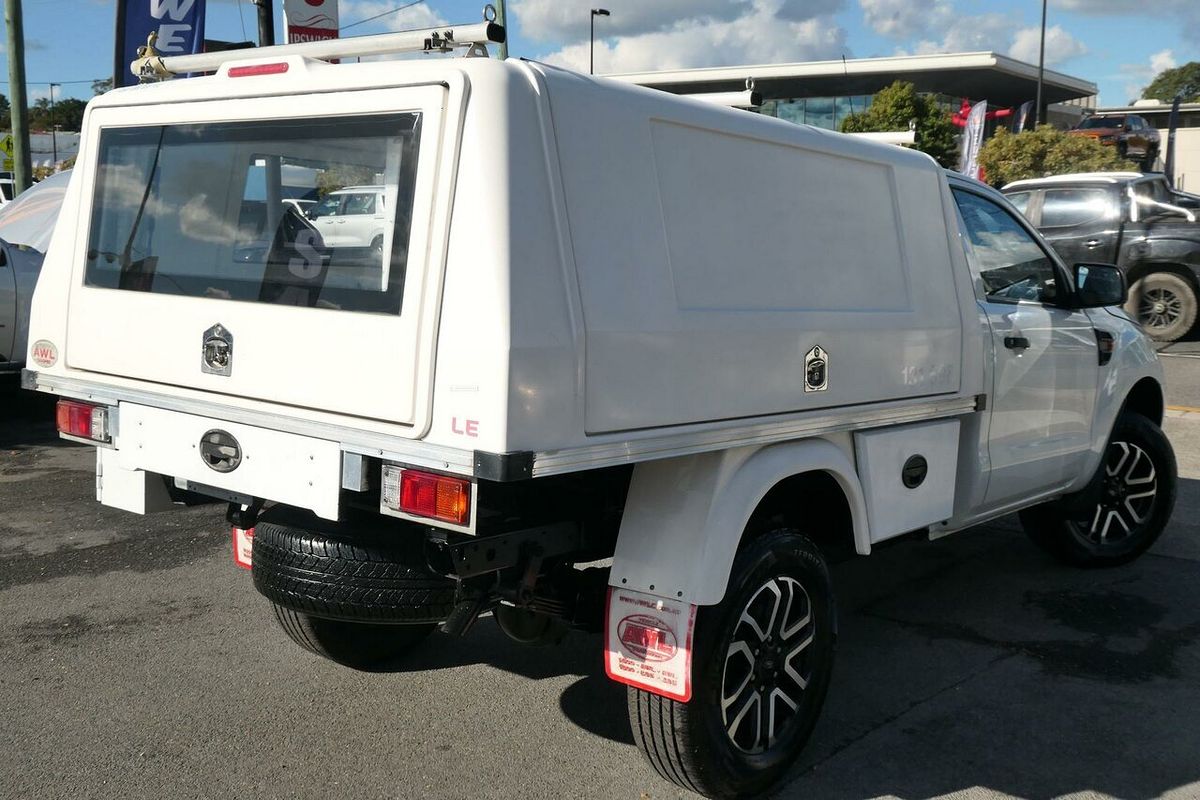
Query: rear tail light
(425, 494)
(82, 420)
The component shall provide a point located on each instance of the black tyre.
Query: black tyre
(320, 570)
(361, 645)
(1165, 305)
(1127, 506)
(760, 671)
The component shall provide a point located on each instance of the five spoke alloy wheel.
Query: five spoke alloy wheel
(1129, 487)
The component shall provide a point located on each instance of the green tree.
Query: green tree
(1183, 81)
(101, 85)
(67, 114)
(1008, 157)
(894, 107)
(5, 113)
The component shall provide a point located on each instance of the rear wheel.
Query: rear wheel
(1165, 305)
(1130, 502)
(761, 665)
(360, 645)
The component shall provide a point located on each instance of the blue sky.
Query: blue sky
(1116, 43)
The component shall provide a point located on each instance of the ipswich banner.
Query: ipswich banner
(972, 140)
(178, 23)
(311, 20)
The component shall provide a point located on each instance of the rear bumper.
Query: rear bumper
(408, 452)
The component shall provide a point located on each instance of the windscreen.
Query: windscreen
(226, 211)
(1093, 123)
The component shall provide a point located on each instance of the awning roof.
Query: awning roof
(1000, 80)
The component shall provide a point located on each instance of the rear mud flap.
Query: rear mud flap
(648, 643)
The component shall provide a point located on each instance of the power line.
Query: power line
(377, 16)
(58, 83)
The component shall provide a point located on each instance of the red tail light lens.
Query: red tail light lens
(424, 494)
(258, 69)
(83, 420)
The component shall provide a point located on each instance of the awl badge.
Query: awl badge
(816, 370)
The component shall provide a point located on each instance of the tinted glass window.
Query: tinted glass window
(1012, 266)
(1063, 207)
(360, 204)
(1102, 122)
(196, 210)
(328, 206)
(1020, 200)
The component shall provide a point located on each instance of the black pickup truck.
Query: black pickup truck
(1131, 219)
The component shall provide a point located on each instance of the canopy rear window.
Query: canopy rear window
(225, 211)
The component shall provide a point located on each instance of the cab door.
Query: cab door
(1045, 368)
(1082, 223)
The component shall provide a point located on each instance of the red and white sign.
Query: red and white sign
(310, 20)
(648, 643)
(243, 547)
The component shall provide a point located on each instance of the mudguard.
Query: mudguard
(684, 517)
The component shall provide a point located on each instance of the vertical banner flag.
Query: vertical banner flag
(1023, 116)
(1172, 126)
(178, 23)
(972, 140)
(311, 20)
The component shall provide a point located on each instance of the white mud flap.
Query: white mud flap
(243, 547)
(648, 643)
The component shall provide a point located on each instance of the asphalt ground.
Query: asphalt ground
(137, 661)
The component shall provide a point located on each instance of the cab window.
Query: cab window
(1020, 201)
(327, 207)
(360, 204)
(1011, 265)
(1065, 207)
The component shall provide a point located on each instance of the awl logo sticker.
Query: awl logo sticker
(648, 643)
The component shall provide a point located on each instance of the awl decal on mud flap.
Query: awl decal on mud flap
(648, 643)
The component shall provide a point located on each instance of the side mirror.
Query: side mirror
(1099, 285)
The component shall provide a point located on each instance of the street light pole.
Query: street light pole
(1037, 110)
(596, 12)
(53, 133)
(266, 22)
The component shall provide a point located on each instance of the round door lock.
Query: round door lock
(914, 471)
(220, 451)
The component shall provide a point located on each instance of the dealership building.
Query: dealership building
(823, 93)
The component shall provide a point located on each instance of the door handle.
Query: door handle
(1092, 244)
(1016, 342)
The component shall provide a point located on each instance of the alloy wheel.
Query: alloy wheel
(1129, 488)
(767, 667)
(1159, 308)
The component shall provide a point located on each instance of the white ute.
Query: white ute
(604, 323)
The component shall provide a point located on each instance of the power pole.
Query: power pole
(502, 20)
(19, 108)
(266, 22)
(53, 130)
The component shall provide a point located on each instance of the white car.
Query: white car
(352, 217)
(708, 345)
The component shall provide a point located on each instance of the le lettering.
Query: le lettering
(467, 427)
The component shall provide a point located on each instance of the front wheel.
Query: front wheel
(1165, 305)
(1130, 502)
(761, 664)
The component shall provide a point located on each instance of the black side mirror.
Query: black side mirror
(1098, 285)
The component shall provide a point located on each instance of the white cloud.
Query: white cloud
(1138, 76)
(1185, 13)
(1060, 45)
(411, 18)
(729, 32)
(567, 20)
(1162, 61)
(904, 19)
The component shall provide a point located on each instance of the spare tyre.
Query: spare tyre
(339, 572)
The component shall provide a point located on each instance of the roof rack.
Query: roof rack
(153, 66)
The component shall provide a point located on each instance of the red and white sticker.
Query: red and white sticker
(243, 547)
(648, 643)
(44, 353)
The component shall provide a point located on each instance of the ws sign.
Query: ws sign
(178, 23)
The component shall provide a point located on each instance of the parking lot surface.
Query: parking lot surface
(137, 661)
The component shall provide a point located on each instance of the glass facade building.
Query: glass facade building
(820, 112)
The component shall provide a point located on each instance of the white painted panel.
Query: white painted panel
(769, 197)
(128, 489)
(892, 507)
(283, 467)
